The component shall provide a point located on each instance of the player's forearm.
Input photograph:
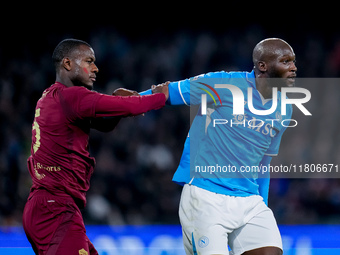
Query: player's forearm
(146, 92)
(179, 93)
(128, 106)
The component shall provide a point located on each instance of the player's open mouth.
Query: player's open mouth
(291, 79)
(93, 78)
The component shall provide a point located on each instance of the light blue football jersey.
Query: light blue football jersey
(223, 152)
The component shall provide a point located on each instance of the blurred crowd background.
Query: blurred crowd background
(135, 163)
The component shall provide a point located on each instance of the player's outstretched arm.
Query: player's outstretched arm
(108, 106)
(107, 124)
(124, 92)
(175, 93)
(188, 91)
(161, 88)
(109, 110)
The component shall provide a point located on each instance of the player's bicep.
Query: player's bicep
(79, 102)
(202, 88)
(128, 106)
(187, 92)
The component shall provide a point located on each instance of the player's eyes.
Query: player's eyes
(90, 61)
(287, 61)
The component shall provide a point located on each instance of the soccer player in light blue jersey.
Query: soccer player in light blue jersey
(225, 193)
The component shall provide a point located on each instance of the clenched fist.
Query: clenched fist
(124, 92)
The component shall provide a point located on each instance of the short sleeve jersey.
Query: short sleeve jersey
(221, 146)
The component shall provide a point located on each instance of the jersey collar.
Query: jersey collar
(59, 84)
(251, 78)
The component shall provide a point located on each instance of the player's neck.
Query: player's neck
(264, 88)
(64, 80)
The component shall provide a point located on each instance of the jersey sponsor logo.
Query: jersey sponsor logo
(203, 242)
(47, 168)
(39, 166)
(240, 118)
(38, 175)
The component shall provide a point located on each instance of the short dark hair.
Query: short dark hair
(65, 48)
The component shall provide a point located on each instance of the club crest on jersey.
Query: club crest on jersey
(203, 242)
(240, 119)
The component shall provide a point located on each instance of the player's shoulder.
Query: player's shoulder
(225, 75)
(64, 89)
(77, 92)
(77, 89)
(241, 74)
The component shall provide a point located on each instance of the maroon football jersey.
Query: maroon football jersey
(60, 161)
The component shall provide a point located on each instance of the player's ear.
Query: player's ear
(66, 63)
(262, 66)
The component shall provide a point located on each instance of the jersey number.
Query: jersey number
(36, 145)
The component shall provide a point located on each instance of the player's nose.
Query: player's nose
(95, 69)
(293, 68)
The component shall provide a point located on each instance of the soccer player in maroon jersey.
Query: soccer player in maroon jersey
(60, 164)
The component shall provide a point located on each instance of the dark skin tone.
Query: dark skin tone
(79, 69)
(273, 58)
(274, 66)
